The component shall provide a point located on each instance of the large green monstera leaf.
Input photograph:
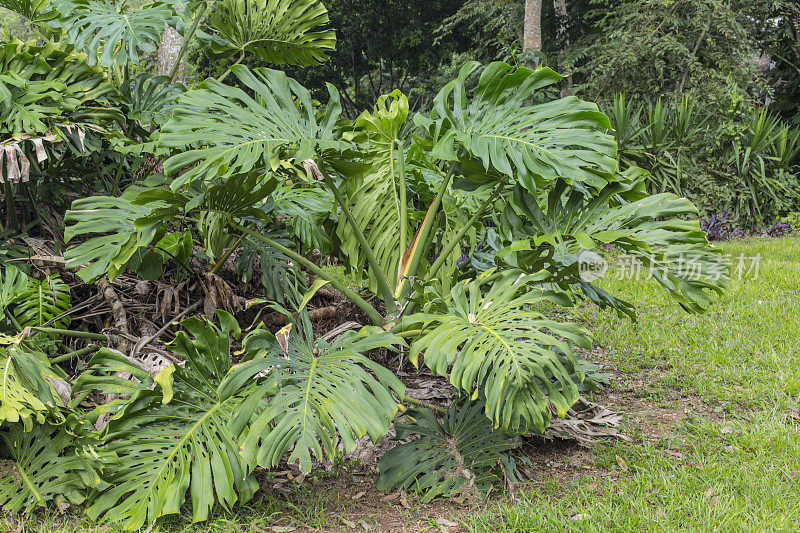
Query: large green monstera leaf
(326, 392)
(276, 31)
(657, 231)
(533, 144)
(42, 87)
(42, 301)
(450, 457)
(498, 345)
(110, 35)
(179, 437)
(223, 131)
(115, 237)
(46, 468)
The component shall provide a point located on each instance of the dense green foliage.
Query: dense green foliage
(746, 165)
(686, 83)
(652, 47)
(463, 222)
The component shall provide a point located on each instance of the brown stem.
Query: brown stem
(117, 311)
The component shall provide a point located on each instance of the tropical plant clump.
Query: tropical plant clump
(464, 227)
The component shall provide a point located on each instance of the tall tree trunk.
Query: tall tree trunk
(561, 10)
(532, 33)
(168, 50)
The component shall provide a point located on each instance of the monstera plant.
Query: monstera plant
(543, 176)
(463, 227)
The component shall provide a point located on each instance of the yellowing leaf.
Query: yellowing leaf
(164, 378)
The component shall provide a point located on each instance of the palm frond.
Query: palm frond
(13, 283)
(283, 281)
(150, 99)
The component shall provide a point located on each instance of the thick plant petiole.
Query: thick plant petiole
(403, 199)
(373, 315)
(228, 71)
(74, 355)
(226, 255)
(384, 291)
(72, 333)
(460, 235)
(419, 244)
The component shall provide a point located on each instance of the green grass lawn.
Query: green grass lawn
(726, 453)
(734, 466)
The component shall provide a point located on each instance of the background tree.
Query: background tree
(775, 26)
(532, 37)
(168, 52)
(651, 47)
